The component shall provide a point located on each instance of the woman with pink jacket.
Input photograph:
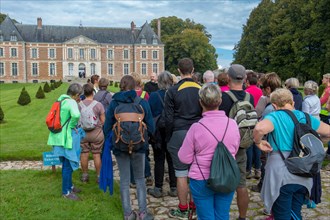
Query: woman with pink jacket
(199, 144)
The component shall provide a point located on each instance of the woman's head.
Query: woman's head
(75, 89)
(103, 83)
(269, 82)
(310, 87)
(165, 80)
(292, 83)
(127, 83)
(281, 97)
(223, 79)
(210, 96)
(138, 80)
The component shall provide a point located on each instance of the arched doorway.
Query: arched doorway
(82, 70)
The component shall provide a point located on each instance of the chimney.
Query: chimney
(133, 26)
(158, 28)
(39, 23)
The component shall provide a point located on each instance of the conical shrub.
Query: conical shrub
(40, 93)
(24, 98)
(2, 115)
(52, 87)
(47, 88)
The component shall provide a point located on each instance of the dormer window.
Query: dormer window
(13, 38)
(154, 40)
(143, 40)
(1, 37)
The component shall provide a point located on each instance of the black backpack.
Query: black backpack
(307, 152)
(159, 121)
(130, 132)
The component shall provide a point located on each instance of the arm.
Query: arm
(305, 107)
(148, 119)
(74, 113)
(187, 150)
(262, 128)
(109, 119)
(325, 96)
(324, 130)
(261, 105)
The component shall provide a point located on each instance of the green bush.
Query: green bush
(116, 84)
(40, 93)
(2, 115)
(52, 87)
(47, 88)
(24, 98)
(111, 83)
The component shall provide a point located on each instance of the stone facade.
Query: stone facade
(37, 53)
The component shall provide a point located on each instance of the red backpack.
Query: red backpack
(53, 119)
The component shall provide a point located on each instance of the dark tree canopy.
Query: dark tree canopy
(185, 38)
(290, 37)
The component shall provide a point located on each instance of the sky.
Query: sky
(223, 19)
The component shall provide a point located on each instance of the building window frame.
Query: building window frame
(13, 37)
(126, 54)
(155, 54)
(143, 40)
(93, 53)
(110, 69)
(143, 54)
(1, 52)
(13, 52)
(143, 68)
(93, 69)
(155, 68)
(70, 69)
(51, 53)
(52, 69)
(154, 41)
(2, 69)
(14, 69)
(34, 53)
(70, 53)
(34, 69)
(81, 53)
(125, 68)
(110, 54)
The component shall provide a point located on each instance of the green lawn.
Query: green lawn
(23, 134)
(34, 195)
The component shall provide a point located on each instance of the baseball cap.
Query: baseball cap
(237, 71)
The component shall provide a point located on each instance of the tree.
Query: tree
(2, 115)
(24, 98)
(40, 93)
(185, 38)
(3, 16)
(47, 88)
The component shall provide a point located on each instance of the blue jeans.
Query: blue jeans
(289, 202)
(253, 154)
(66, 176)
(137, 160)
(210, 205)
(147, 171)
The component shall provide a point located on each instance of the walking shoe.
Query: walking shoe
(249, 175)
(84, 178)
(149, 181)
(155, 192)
(131, 216)
(71, 196)
(257, 174)
(177, 213)
(255, 188)
(265, 212)
(311, 204)
(173, 192)
(75, 189)
(146, 215)
(192, 214)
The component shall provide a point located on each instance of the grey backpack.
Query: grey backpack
(246, 117)
(88, 119)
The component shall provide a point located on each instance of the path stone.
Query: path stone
(161, 206)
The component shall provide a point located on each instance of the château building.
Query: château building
(38, 53)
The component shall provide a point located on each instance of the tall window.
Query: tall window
(13, 52)
(143, 54)
(93, 69)
(81, 53)
(70, 69)
(154, 54)
(2, 69)
(155, 67)
(126, 68)
(13, 38)
(1, 52)
(93, 53)
(144, 69)
(34, 53)
(14, 70)
(51, 53)
(126, 54)
(110, 54)
(34, 69)
(70, 53)
(52, 69)
(110, 69)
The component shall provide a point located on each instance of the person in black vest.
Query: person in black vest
(152, 85)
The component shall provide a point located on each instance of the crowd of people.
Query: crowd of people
(183, 121)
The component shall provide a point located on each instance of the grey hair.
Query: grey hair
(311, 86)
(208, 76)
(165, 80)
(210, 96)
(292, 83)
(74, 89)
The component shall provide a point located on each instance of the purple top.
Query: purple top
(201, 141)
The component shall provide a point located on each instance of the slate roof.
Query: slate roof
(60, 34)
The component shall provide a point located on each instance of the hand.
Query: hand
(76, 130)
(264, 146)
